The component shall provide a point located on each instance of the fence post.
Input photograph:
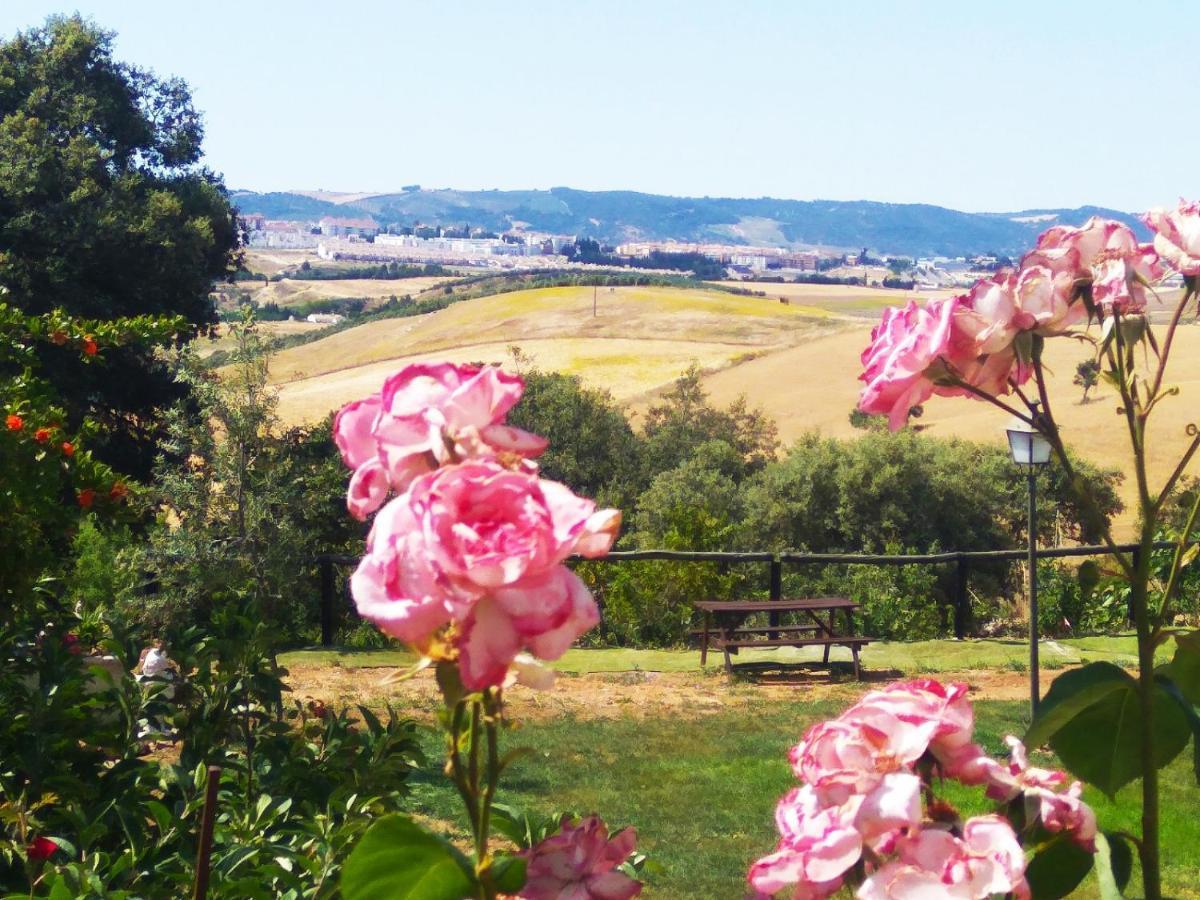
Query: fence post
(1136, 558)
(326, 565)
(962, 602)
(776, 592)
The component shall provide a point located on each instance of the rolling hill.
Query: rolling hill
(898, 228)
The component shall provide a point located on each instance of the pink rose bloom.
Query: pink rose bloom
(1058, 811)
(817, 845)
(904, 346)
(580, 863)
(427, 414)
(986, 861)
(989, 318)
(483, 545)
(942, 711)
(1104, 253)
(855, 752)
(1046, 300)
(1177, 237)
(1066, 812)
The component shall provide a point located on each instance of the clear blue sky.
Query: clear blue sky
(995, 106)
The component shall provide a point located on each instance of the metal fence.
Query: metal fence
(962, 560)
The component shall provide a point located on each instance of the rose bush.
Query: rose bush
(466, 564)
(988, 344)
(866, 814)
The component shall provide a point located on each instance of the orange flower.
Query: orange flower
(14, 422)
(89, 345)
(42, 435)
(68, 448)
(118, 491)
(58, 337)
(86, 497)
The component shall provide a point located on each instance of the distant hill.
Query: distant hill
(915, 229)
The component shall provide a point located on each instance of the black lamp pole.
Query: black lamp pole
(1034, 694)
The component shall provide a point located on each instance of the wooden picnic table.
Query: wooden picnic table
(724, 628)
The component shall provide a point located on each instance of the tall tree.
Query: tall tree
(106, 211)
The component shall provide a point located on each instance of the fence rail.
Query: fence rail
(960, 559)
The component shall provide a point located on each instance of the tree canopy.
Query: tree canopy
(106, 211)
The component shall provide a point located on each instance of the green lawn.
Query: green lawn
(701, 790)
(903, 658)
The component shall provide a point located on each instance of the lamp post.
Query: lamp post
(1030, 449)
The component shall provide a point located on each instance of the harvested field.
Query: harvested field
(640, 338)
(845, 299)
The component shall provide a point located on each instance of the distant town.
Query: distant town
(366, 240)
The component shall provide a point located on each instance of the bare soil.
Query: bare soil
(631, 694)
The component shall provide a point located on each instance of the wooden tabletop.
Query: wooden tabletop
(783, 605)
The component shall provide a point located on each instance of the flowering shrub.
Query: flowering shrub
(866, 814)
(465, 564)
(988, 344)
(49, 476)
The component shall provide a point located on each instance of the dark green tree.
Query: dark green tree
(105, 211)
(1087, 376)
(592, 448)
(684, 420)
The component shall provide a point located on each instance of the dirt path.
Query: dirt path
(626, 694)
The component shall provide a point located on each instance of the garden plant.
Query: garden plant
(1096, 284)
(465, 564)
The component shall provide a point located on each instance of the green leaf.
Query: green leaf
(1072, 693)
(512, 824)
(1184, 667)
(1102, 699)
(1057, 869)
(1114, 865)
(1190, 716)
(508, 873)
(399, 860)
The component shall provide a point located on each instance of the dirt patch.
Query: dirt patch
(636, 695)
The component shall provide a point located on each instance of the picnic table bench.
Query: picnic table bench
(724, 628)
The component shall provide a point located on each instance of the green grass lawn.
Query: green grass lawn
(903, 658)
(702, 790)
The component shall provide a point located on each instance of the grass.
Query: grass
(702, 790)
(700, 781)
(903, 658)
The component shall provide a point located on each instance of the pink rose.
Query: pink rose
(989, 318)
(986, 861)
(817, 845)
(544, 613)
(1177, 237)
(853, 753)
(1066, 812)
(1105, 254)
(943, 710)
(1058, 811)
(487, 527)
(1046, 300)
(425, 415)
(580, 862)
(483, 545)
(427, 407)
(904, 347)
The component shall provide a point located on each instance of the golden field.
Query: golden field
(641, 338)
(798, 361)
